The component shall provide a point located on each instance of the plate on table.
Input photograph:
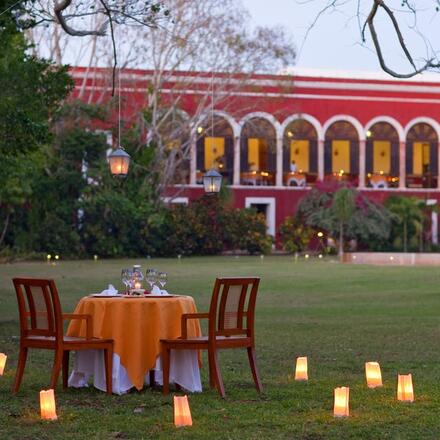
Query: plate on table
(97, 295)
(149, 296)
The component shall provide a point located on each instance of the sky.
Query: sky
(334, 42)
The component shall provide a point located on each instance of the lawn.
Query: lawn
(340, 316)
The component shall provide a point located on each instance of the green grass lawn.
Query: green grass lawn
(340, 316)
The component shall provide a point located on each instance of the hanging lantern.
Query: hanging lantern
(342, 395)
(212, 182)
(119, 162)
(47, 405)
(3, 358)
(373, 374)
(301, 369)
(182, 413)
(405, 391)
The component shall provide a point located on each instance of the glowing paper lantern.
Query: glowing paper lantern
(301, 369)
(341, 402)
(3, 358)
(373, 374)
(182, 413)
(47, 405)
(405, 391)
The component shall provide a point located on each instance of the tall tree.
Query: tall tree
(31, 91)
(343, 208)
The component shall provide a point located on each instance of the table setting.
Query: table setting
(136, 318)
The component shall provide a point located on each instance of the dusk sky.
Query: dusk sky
(334, 43)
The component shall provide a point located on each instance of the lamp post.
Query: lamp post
(119, 162)
(212, 182)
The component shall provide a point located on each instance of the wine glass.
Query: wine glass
(151, 277)
(126, 275)
(162, 278)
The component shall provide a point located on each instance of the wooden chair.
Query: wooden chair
(41, 326)
(230, 325)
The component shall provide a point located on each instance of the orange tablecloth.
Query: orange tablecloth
(136, 325)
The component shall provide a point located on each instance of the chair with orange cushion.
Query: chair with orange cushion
(230, 325)
(41, 326)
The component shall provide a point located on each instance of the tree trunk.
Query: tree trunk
(405, 238)
(5, 227)
(341, 241)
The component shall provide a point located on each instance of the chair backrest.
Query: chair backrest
(39, 307)
(232, 307)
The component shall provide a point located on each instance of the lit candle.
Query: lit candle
(405, 391)
(301, 369)
(47, 405)
(373, 374)
(341, 408)
(182, 413)
(3, 358)
(137, 285)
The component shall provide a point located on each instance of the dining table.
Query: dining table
(136, 324)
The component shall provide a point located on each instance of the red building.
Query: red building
(284, 133)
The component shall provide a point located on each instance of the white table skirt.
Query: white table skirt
(184, 370)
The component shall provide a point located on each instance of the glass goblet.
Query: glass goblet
(151, 277)
(162, 278)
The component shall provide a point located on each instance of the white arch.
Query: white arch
(423, 119)
(232, 122)
(262, 115)
(393, 122)
(312, 120)
(347, 118)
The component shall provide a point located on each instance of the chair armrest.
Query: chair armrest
(185, 317)
(87, 318)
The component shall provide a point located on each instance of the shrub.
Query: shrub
(295, 235)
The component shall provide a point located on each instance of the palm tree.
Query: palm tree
(409, 213)
(343, 208)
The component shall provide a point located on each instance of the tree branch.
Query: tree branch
(59, 7)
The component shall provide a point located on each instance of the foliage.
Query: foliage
(369, 223)
(407, 221)
(31, 91)
(295, 235)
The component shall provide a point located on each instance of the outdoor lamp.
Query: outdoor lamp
(3, 358)
(47, 405)
(301, 368)
(119, 162)
(405, 391)
(182, 413)
(212, 182)
(341, 402)
(373, 374)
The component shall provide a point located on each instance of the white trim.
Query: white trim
(393, 122)
(181, 200)
(270, 217)
(228, 118)
(426, 120)
(346, 118)
(261, 115)
(282, 95)
(311, 119)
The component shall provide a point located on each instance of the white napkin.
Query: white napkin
(156, 291)
(110, 291)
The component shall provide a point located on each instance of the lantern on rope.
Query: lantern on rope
(405, 391)
(119, 162)
(212, 182)
(373, 374)
(47, 405)
(3, 358)
(341, 406)
(301, 369)
(182, 413)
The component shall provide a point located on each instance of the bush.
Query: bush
(295, 235)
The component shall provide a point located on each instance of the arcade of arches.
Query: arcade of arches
(257, 153)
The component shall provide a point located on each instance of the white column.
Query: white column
(279, 176)
(402, 165)
(434, 227)
(362, 155)
(193, 159)
(438, 166)
(321, 160)
(236, 175)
